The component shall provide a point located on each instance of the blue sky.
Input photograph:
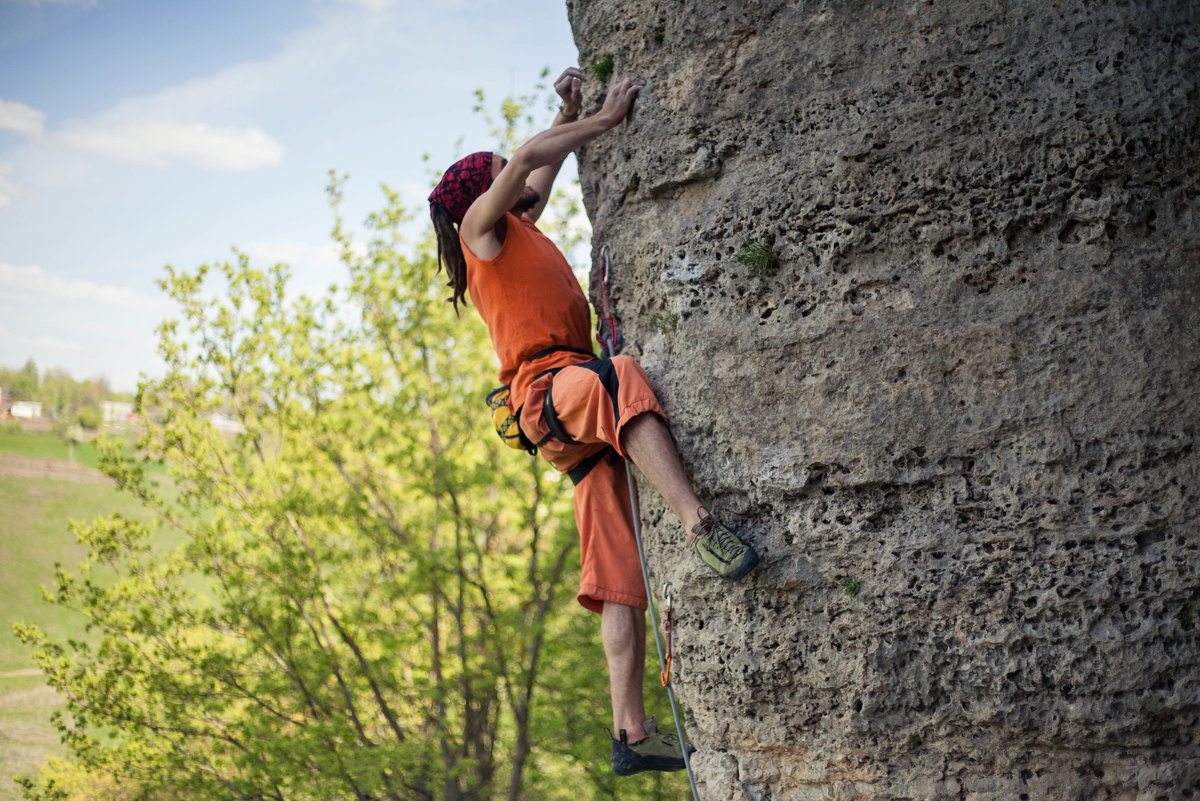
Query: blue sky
(140, 133)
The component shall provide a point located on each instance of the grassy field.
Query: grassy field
(40, 491)
(37, 446)
(26, 736)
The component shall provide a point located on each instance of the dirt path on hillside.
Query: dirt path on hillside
(55, 469)
(16, 674)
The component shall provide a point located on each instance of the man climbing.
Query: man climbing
(585, 414)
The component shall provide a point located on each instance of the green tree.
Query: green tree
(64, 397)
(90, 417)
(59, 393)
(21, 385)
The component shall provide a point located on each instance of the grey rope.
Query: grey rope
(658, 640)
(608, 344)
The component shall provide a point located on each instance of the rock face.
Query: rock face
(919, 286)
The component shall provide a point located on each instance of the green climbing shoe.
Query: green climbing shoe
(722, 550)
(658, 751)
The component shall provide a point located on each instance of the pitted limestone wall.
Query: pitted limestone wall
(957, 412)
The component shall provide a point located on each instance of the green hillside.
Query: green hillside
(40, 492)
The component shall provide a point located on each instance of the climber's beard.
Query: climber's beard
(528, 199)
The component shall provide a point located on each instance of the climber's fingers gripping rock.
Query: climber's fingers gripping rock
(569, 87)
(620, 99)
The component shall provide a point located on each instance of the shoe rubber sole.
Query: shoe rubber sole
(659, 763)
(749, 562)
(627, 762)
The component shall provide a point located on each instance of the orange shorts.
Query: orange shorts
(593, 402)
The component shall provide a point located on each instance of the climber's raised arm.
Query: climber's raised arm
(569, 88)
(511, 189)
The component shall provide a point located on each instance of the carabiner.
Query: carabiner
(665, 674)
(604, 270)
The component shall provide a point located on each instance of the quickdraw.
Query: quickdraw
(610, 341)
(665, 673)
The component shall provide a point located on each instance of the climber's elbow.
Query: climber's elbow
(527, 158)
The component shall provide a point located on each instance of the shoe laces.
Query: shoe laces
(726, 539)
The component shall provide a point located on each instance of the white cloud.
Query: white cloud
(34, 286)
(83, 326)
(21, 118)
(291, 253)
(248, 89)
(39, 344)
(313, 266)
(219, 120)
(163, 143)
(8, 188)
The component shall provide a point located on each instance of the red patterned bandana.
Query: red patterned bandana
(464, 180)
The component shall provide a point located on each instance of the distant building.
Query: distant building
(225, 424)
(27, 410)
(116, 411)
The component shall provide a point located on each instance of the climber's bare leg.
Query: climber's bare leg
(650, 446)
(623, 632)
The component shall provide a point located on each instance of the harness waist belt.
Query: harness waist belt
(580, 471)
(541, 354)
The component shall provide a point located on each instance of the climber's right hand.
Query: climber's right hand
(619, 101)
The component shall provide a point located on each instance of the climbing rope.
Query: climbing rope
(610, 342)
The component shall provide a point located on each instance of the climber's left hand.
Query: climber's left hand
(569, 87)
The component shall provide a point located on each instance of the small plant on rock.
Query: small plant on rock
(666, 321)
(758, 256)
(602, 68)
(851, 586)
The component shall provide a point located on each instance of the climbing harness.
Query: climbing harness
(506, 420)
(610, 342)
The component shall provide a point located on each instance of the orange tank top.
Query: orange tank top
(530, 301)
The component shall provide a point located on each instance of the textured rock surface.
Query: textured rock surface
(958, 415)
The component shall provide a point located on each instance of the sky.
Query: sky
(140, 133)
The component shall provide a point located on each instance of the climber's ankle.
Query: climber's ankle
(634, 732)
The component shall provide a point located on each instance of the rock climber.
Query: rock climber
(584, 414)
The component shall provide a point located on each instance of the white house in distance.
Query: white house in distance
(26, 410)
(225, 424)
(116, 411)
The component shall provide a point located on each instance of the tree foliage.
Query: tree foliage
(20, 384)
